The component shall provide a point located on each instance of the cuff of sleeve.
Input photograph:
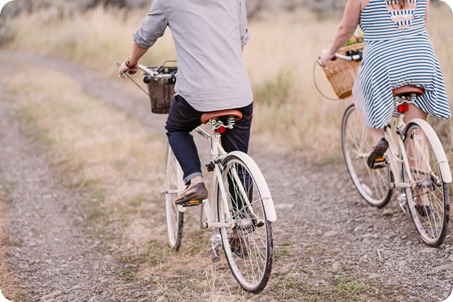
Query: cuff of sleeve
(246, 37)
(141, 42)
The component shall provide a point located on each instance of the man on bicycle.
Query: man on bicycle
(209, 36)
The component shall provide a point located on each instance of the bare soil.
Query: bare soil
(329, 245)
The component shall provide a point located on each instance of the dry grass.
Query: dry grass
(96, 39)
(8, 283)
(280, 59)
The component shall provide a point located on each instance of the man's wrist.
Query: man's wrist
(129, 64)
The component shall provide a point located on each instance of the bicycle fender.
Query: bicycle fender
(268, 202)
(437, 146)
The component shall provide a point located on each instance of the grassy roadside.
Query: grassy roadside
(115, 158)
(99, 150)
(8, 283)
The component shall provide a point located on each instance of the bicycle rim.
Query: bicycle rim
(372, 184)
(247, 243)
(175, 218)
(428, 197)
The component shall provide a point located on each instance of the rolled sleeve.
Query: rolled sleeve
(245, 33)
(152, 27)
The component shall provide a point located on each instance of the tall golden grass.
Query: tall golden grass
(280, 58)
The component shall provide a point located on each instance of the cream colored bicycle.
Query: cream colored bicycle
(239, 210)
(415, 164)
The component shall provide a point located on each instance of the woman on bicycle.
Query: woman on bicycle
(209, 37)
(397, 52)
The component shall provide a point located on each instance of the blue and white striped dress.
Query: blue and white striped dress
(397, 52)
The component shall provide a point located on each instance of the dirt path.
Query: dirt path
(329, 245)
(54, 258)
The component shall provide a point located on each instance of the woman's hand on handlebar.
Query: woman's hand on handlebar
(325, 58)
(126, 67)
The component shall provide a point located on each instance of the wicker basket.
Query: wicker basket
(341, 73)
(161, 91)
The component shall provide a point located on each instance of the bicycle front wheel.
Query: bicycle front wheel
(247, 243)
(372, 184)
(428, 197)
(172, 188)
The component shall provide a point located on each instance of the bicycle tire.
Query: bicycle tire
(247, 243)
(372, 184)
(172, 188)
(428, 198)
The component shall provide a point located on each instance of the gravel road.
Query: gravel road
(325, 232)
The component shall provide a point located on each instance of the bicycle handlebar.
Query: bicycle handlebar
(350, 55)
(356, 56)
(155, 74)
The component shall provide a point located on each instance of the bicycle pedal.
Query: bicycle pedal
(192, 203)
(379, 163)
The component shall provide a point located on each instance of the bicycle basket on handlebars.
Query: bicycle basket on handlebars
(161, 91)
(341, 74)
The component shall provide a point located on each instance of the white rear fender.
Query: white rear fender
(266, 196)
(437, 147)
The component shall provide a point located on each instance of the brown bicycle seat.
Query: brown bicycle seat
(407, 89)
(215, 114)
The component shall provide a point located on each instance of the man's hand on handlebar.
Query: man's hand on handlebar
(127, 67)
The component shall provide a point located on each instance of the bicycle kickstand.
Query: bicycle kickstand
(215, 243)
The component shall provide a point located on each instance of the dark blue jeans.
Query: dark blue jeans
(183, 118)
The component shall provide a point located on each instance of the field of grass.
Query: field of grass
(280, 58)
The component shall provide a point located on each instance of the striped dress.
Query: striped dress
(397, 52)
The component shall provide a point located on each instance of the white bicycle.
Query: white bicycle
(239, 210)
(415, 164)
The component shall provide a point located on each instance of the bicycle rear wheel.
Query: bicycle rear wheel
(172, 188)
(247, 243)
(428, 197)
(372, 184)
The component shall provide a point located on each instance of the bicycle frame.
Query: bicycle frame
(218, 153)
(239, 208)
(398, 156)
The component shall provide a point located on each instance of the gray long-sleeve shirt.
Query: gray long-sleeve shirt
(208, 35)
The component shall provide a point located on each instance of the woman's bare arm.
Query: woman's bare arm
(345, 30)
